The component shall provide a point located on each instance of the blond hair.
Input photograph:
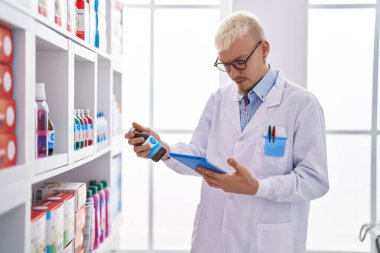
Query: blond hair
(235, 26)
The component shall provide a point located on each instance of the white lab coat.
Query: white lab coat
(275, 219)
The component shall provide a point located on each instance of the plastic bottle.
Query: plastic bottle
(98, 129)
(42, 115)
(107, 206)
(90, 133)
(157, 151)
(85, 133)
(106, 130)
(82, 122)
(88, 225)
(102, 212)
(51, 139)
(76, 132)
(95, 197)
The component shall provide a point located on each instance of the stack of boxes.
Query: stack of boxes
(117, 27)
(8, 147)
(73, 214)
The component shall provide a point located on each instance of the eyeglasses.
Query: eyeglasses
(237, 64)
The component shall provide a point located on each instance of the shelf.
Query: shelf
(14, 18)
(83, 54)
(83, 153)
(50, 162)
(58, 171)
(50, 39)
(13, 194)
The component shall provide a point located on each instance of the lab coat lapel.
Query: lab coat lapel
(273, 99)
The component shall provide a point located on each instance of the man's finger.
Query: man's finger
(139, 127)
(207, 172)
(234, 164)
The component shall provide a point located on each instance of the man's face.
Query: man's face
(256, 67)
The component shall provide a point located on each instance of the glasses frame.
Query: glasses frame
(226, 67)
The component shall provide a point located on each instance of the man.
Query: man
(268, 134)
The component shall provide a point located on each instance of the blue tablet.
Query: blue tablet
(196, 161)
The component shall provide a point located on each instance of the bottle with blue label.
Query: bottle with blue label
(157, 151)
(51, 136)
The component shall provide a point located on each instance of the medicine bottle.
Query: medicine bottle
(157, 151)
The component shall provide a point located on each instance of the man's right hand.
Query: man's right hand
(143, 150)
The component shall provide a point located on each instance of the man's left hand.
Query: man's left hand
(240, 181)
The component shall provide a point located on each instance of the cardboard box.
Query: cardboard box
(71, 16)
(7, 116)
(38, 232)
(68, 200)
(80, 220)
(54, 224)
(83, 20)
(6, 45)
(6, 81)
(60, 13)
(78, 189)
(78, 242)
(8, 150)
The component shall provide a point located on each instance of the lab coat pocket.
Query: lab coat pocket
(276, 237)
(275, 147)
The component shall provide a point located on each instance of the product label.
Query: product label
(154, 146)
(103, 222)
(76, 133)
(51, 139)
(90, 132)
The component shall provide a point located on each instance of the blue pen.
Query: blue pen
(269, 132)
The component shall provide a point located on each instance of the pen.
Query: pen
(269, 132)
(274, 133)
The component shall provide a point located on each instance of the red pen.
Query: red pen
(274, 133)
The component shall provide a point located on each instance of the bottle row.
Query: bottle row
(67, 218)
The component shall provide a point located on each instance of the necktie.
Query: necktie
(245, 117)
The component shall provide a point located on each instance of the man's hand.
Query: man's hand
(240, 181)
(143, 150)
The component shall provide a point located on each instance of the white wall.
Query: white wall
(285, 26)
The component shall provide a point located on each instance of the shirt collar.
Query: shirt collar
(262, 88)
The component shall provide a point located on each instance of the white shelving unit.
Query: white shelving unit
(76, 75)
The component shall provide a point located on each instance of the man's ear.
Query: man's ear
(265, 48)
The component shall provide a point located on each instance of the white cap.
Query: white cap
(40, 91)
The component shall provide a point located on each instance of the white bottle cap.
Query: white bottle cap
(40, 91)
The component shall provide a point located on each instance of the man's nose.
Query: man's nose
(234, 72)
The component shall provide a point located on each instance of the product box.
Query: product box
(47, 9)
(93, 26)
(80, 220)
(68, 200)
(71, 16)
(78, 243)
(54, 224)
(6, 81)
(38, 232)
(69, 248)
(78, 189)
(6, 45)
(83, 20)
(8, 150)
(60, 17)
(7, 116)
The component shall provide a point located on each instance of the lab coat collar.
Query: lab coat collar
(261, 116)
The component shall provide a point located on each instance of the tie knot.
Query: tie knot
(246, 101)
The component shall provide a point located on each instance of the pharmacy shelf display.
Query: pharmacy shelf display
(79, 76)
